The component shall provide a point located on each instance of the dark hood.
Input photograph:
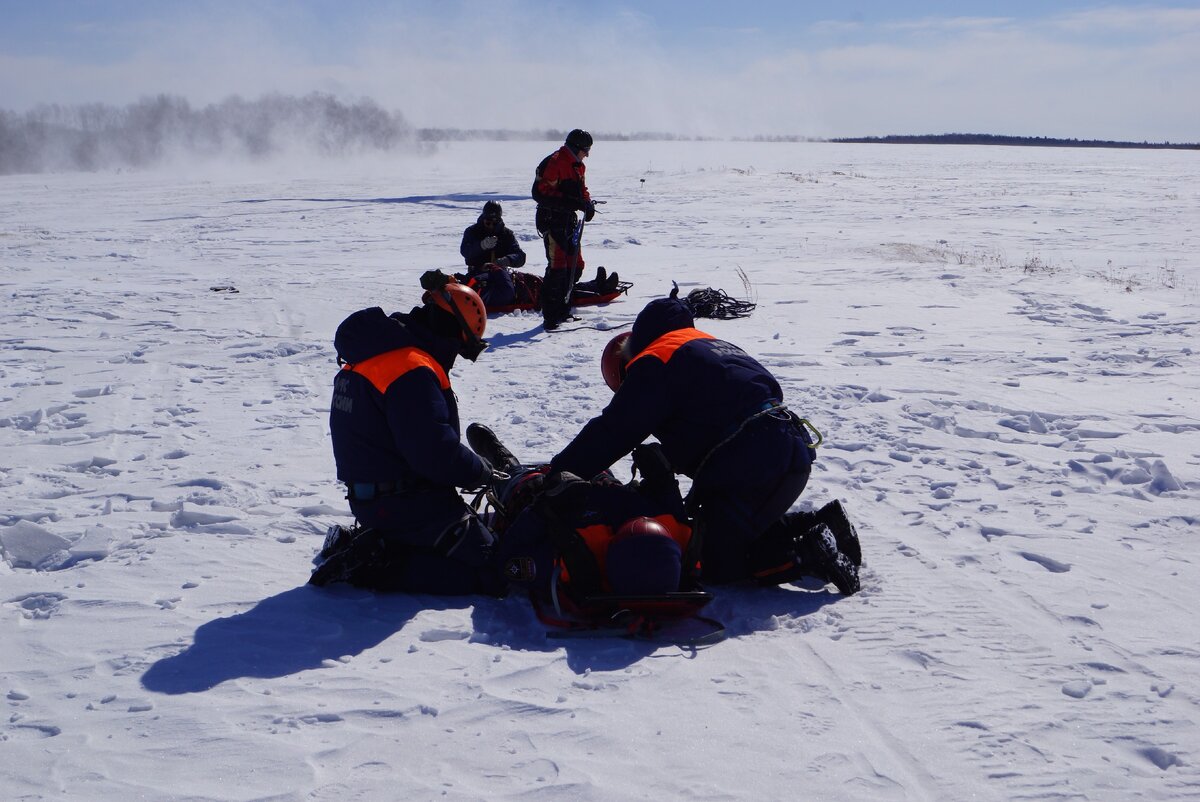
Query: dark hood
(369, 332)
(659, 317)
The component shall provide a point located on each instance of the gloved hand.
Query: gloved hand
(589, 212)
(565, 494)
(488, 242)
(433, 280)
(502, 261)
(487, 475)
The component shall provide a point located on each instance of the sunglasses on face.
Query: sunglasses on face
(491, 221)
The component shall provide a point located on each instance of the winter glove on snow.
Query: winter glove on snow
(433, 280)
(589, 212)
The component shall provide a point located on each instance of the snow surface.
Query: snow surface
(999, 345)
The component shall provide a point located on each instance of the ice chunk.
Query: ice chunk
(27, 545)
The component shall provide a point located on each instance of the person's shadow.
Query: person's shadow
(287, 633)
(301, 628)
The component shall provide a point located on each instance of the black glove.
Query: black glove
(589, 212)
(565, 495)
(434, 280)
(487, 475)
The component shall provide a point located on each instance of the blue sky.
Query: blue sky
(1074, 69)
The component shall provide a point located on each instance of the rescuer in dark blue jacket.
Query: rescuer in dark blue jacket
(395, 430)
(720, 418)
(492, 252)
(489, 241)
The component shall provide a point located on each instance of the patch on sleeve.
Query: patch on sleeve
(520, 569)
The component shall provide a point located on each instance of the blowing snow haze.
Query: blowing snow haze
(152, 131)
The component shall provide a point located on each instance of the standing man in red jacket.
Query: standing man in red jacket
(560, 189)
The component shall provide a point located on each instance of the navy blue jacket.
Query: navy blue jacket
(506, 245)
(691, 391)
(394, 417)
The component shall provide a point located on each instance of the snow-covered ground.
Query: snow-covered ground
(999, 345)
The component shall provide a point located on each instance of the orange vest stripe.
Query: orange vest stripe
(665, 346)
(384, 369)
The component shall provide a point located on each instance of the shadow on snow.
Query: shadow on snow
(302, 628)
(454, 200)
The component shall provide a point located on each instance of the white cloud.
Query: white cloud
(1109, 73)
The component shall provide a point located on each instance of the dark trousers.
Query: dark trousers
(564, 267)
(432, 544)
(729, 521)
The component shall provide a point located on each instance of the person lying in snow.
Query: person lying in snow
(720, 418)
(573, 541)
(491, 252)
(395, 430)
(589, 541)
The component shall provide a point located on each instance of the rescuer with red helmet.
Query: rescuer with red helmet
(721, 420)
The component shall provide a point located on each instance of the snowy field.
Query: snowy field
(999, 345)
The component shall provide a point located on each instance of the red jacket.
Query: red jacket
(560, 183)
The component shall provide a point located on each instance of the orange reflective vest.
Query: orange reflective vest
(385, 368)
(665, 346)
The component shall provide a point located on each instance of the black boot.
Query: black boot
(773, 558)
(484, 442)
(834, 516)
(819, 557)
(350, 558)
(601, 277)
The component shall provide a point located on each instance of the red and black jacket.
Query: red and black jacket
(560, 189)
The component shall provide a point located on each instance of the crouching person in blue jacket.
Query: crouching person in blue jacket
(395, 430)
(720, 418)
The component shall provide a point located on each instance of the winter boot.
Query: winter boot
(484, 442)
(337, 537)
(819, 557)
(349, 558)
(773, 558)
(833, 515)
(601, 277)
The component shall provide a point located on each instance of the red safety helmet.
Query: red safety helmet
(614, 359)
(643, 559)
(468, 309)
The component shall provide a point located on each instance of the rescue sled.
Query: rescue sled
(578, 298)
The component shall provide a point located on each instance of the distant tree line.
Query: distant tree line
(540, 135)
(98, 136)
(995, 139)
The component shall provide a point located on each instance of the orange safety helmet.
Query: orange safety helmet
(468, 309)
(614, 359)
